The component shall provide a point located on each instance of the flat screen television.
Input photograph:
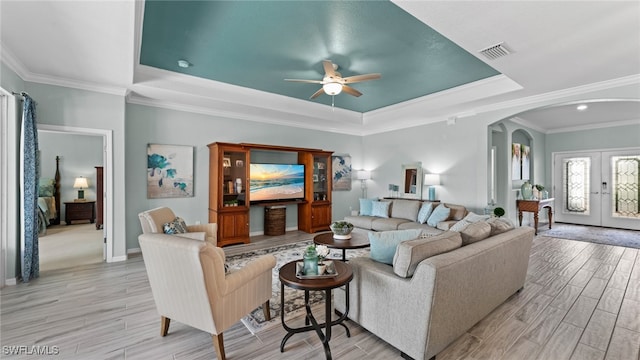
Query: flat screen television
(276, 182)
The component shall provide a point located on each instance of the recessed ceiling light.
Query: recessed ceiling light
(582, 107)
(183, 63)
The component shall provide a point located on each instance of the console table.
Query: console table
(535, 206)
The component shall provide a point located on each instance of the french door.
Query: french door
(599, 188)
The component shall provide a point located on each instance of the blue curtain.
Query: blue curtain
(30, 258)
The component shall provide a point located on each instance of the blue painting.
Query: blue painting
(169, 171)
(341, 166)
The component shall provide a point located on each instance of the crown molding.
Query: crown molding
(245, 112)
(563, 94)
(595, 126)
(18, 67)
(12, 62)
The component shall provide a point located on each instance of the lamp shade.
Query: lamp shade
(80, 183)
(363, 175)
(431, 179)
(332, 88)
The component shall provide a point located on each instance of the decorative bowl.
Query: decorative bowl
(341, 229)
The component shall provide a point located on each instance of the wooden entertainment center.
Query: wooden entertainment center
(229, 196)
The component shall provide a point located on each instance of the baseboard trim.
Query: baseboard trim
(11, 281)
(118, 258)
(134, 251)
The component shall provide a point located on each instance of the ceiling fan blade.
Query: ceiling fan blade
(317, 93)
(305, 81)
(328, 68)
(351, 91)
(359, 78)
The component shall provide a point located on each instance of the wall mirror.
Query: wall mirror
(411, 187)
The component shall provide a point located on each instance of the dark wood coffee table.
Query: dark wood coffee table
(357, 241)
(288, 277)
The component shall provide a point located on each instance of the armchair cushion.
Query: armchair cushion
(200, 235)
(153, 221)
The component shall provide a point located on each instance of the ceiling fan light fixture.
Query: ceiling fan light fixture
(332, 88)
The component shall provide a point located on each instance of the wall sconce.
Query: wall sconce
(432, 180)
(363, 176)
(81, 184)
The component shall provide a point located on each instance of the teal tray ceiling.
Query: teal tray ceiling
(257, 44)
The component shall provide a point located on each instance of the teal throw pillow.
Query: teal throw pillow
(366, 206)
(177, 226)
(380, 209)
(383, 244)
(441, 213)
(425, 212)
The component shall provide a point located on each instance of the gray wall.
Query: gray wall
(147, 125)
(459, 152)
(75, 108)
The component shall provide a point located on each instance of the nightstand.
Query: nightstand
(80, 210)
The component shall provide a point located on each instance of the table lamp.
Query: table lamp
(432, 180)
(363, 176)
(80, 184)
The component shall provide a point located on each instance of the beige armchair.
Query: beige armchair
(189, 285)
(153, 220)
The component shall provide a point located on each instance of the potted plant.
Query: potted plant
(341, 229)
(499, 212)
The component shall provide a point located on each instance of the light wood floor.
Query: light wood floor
(581, 301)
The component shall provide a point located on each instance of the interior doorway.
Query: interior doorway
(107, 154)
(598, 188)
(81, 241)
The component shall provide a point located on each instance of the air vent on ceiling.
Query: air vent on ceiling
(495, 51)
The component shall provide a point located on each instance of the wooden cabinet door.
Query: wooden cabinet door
(233, 227)
(321, 217)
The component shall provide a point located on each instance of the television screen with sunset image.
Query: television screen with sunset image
(276, 182)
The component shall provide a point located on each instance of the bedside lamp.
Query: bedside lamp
(363, 176)
(81, 184)
(432, 180)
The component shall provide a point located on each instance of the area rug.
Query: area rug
(294, 299)
(594, 234)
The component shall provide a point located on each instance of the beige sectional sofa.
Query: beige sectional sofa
(437, 288)
(403, 214)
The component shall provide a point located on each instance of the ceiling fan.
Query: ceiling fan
(333, 83)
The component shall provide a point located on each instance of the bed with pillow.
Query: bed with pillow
(49, 201)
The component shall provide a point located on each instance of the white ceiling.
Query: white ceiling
(558, 48)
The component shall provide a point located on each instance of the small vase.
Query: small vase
(526, 190)
(310, 259)
(536, 193)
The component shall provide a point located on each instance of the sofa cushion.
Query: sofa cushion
(366, 206)
(440, 213)
(383, 244)
(473, 217)
(425, 212)
(500, 225)
(199, 235)
(362, 222)
(411, 252)
(475, 232)
(458, 212)
(386, 224)
(405, 209)
(177, 226)
(381, 209)
(426, 229)
(460, 225)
